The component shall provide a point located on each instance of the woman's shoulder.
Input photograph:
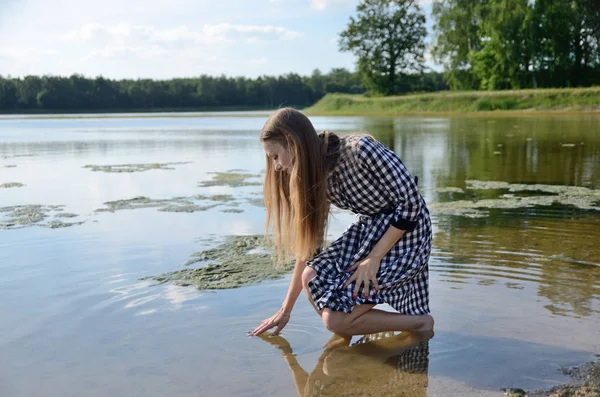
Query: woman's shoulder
(356, 143)
(362, 148)
(358, 151)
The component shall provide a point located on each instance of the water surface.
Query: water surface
(515, 293)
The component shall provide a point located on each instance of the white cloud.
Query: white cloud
(120, 32)
(155, 39)
(177, 34)
(318, 4)
(145, 42)
(323, 4)
(123, 34)
(230, 31)
(142, 52)
(259, 61)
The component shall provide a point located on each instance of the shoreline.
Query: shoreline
(442, 104)
(446, 115)
(530, 102)
(131, 113)
(308, 111)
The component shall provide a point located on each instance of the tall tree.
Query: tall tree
(8, 94)
(457, 24)
(388, 37)
(586, 37)
(504, 58)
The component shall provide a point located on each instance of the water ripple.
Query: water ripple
(555, 255)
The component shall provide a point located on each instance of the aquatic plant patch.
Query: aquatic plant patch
(20, 216)
(231, 179)
(133, 167)
(10, 185)
(574, 196)
(236, 262)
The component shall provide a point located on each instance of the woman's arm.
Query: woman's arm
(281, 318)
(387, 241)
(295, 287)
(385, 167)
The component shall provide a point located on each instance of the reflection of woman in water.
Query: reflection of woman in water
(381, 258)
(392, 366)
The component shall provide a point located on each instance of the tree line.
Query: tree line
(78, 93)
(482, 44)
(511, 44)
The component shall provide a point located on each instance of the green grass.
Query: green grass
(568, 100)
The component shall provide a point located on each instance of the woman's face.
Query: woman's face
(282, 158)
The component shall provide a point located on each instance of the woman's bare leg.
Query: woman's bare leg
(335, 340)
(373, 321)
(364, 319)
(307, 275)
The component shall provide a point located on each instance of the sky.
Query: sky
(176, 38)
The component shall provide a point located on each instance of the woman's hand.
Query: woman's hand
(365, 272)
(279, 320)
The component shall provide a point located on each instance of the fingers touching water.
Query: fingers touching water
(278, 321)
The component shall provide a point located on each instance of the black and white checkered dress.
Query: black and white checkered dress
(371, 181)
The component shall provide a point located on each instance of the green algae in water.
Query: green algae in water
(224, 198)
(65, 215)
(521, 187)
(20, 216)
(232, 210)
(186, 208)
(238, 261)
(133, 167)
(57, 224)
(258, 202)
(177, 204)
(10, 185)
(231, 179)
(448, 189)
(547, 195)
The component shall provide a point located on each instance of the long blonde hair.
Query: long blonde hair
(296, 202)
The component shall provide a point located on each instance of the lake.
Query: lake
(515, 267)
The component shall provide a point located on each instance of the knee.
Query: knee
(307, 275)
(335, 321)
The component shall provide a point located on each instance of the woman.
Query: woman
(381, 258)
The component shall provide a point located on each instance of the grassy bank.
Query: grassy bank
(568, 100)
